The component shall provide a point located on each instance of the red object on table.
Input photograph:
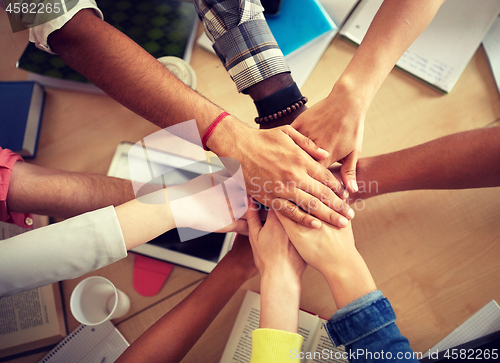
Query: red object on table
(150, 275)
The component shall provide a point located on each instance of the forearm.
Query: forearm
(349, 279)
(469, 159)
(63, 194)
(280, 297)
(129, 74)
(171, 337)
(266, 88)
(368, 325)
(395, 27)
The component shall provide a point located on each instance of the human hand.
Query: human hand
(280, 172)
(241, 256)
(324, 249)
(212, 202)
(369, 179)
(272, 250)
(336, 124)
(331, 251)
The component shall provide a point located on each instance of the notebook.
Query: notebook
(303, 60)
(491, 44)
(443, 50)
(21, 111)
(298, 23)
(485, 321)
(89, 344)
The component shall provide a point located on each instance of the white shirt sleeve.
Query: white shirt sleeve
(60, 251)
(40, 33)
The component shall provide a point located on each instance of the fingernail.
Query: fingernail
(345, 195)
(343, 221)
(350, 213)
(353, 185)
(324, 152)
(316, 224)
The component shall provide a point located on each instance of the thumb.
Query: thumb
(288, 224)
(253, 219)
(348, 172)
(306, 143)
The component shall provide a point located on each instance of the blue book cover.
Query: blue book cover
(21, 110)
(298, 23)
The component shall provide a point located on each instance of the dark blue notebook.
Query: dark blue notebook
(298, 23)
(21, 110)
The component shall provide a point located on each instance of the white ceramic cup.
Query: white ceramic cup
(181, 69)
(96, 300)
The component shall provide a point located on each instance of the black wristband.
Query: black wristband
(278, 100)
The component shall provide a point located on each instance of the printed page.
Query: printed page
(308, 325)
(491, 44)
(322, 349)
(441, 53)
(30, 320)
(338, 10)
(239, 346)
(358, 23)
(34, 318)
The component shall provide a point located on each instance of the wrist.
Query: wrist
(356, 93)
(228, 129)
(349, 280)
(270, 85)
(240, 270)
(279, 272)
(285, 120)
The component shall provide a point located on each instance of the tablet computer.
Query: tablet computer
(202, 253)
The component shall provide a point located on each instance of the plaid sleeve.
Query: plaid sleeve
(242, 40)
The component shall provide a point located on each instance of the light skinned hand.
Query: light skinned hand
(331, 251)
(202, 203)
(271, 247)
(325, 248)
(336, 124)
(281, 171)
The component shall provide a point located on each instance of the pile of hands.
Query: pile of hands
(286, 168)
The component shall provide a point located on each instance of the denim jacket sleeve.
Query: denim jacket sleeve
(368, 330)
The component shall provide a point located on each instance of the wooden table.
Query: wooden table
(434, 254)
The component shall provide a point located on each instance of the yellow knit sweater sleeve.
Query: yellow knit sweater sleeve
(275, 346)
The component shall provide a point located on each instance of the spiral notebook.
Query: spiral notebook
(89, 344)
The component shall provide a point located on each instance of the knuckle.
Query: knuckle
(333, 218)
(338, 205)
(287, 129)
(327, 176)
(307, 141)
(290, 209)
(326, 194)
(350, 172)
(313, 204)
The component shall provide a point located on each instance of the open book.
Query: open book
(443, 50)
(316, 347)
(31, 319)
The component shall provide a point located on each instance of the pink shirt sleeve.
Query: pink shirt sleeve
(7, 161)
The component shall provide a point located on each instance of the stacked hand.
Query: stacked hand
(336, 125)
(282, 172)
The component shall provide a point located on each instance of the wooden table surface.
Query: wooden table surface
(434, 254)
